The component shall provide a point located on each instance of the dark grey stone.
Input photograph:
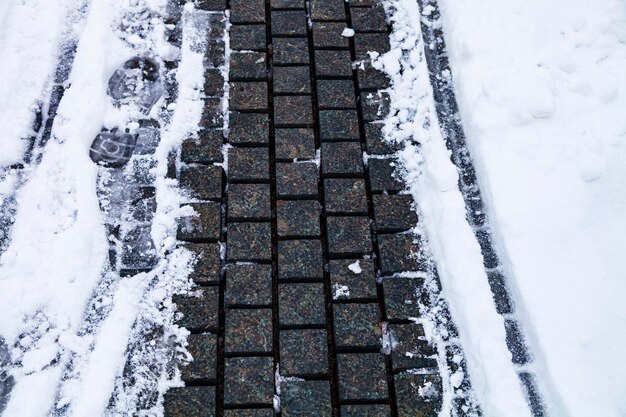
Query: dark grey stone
(212, 114)
(207, 263)
(335, 94)
(374, 140)
(248, 285)
(328, 10)
(357, 325)
(293, 111)
(289, 23)
(249, 129)
(287, 4)
(397, 253)
(305, 398)
(333, 64)
(290, 51)
(328, 35)
(204, 226)
(249, 202)
(394, 213)
(301, 304)
(295, 143)
(381, 173)
(248, 164)
(411, 349)
(249, 242)
(352, 385)
(246, 66)
(203, 350)
(303, 352)
(248, 95)
(366, 410)
(292, 80)
(401, 300)
(299, 218)
(349, 236)
(361, 286)
(409, 398)
(375, 105)
(247, 11)
(189, 402)
(213, 82)
(296, 180)
(339, 125)
(204, 149)
(300, 259)
(202, 182)
(248, 330)
(199, 310)
(371, 79)
(374, 42)
(247, 38)
(369, 19)
(342, 159)
(249, 380)
(345, 195)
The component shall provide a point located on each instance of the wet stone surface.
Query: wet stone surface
(249, 285)
(213, 82)
(394, 213)
(247, 11)
(352, 385)
(397, 253)
(333, 64)
(248, 129)
(418, 395)
(202, 182)
(328, 35)
(345, 195)
(206, 267)
(369, 19)
(366, 410)
(300, 259)
(293, 111)
(411, 350)
(301, 304)
(303, 352)
(366, 42)
(339, 125)
(202, 348)
(207, 148)
(305, 398)
(205, 225)
(247, 37)
(289, 22)
(357, 325)
(249, 242)
(296, 180)
(292, 80)
(342, 159)
(248, 380)
(371, 79)
(248, 331)
(349, 285)
(198, 310)
(374, 140)
(375, 106)
(248, 95)
(401, 300)
(381, 176)
(249, 201)
(190, 402)
(335, 94)
(328, 10)
(212, 115)
(349, 235)
(248, 164)
(299, 218)
(295, 143)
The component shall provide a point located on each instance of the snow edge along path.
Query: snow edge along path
(433, 181)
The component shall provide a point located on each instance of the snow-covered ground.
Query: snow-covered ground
(542, 93)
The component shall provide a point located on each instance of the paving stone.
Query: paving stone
(249, 129)
(381, 175)
(247, 38)
(328, 35)
(397, 253)
(248, 285)
(374, 141)
(217, 25)
(375, 106)
(249, 242)
(203, 226)
(339, 125)
(401, 300)
(249, 202)
(303, 352)
(349, 285)
(500, 293)
(215, 53)
(207, 264)
(418, 395)
(246, 66)
(292, 80)
(299, 218)
(333, 64)
(213, 82)
(349, 236)
(201, 181)
(293, 110)
(362, 3)
(296, 180)
(287, 4)
(203, 350)
(411, 350)
(249, 380)
(291, 51)
(369, 19)
(335, 94)
(199, 309)
(138, 250)
(301, 304)
(305, 398)
(295, 143)
(371, 79)
(212, 115)
(211, 4)
(248, 331)
(328, 10)
(366, 410)
(189, 402)
(352, 384)
(205, 149)
(248, 164)
(394, 213)
(345, 195)
(250, 412)
(342, 159)
(289, 23)
(356, 325)
(374, 42)
(300, 259)
(248, 95)
(247, 11)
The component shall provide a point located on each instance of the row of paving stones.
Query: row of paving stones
(317, 226)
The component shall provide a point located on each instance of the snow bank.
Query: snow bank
(542, 93)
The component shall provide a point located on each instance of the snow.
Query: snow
(542, 92)
(432, 180)
(355, 267)
(347, 33)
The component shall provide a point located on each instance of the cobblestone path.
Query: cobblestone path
(308, 292)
